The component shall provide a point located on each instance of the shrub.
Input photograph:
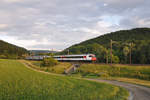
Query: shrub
(103, 74)
(115, 59)
(3, 56)
(48, 62)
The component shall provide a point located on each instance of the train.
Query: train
(36, 57)
(79, 57)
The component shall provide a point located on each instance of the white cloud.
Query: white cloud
(3, 26)
(144, 22)
(12, 1)
(103, 24)
(105, 4)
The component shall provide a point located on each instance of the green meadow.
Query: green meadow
(115, 70)
(18, 82)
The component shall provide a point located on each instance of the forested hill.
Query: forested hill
(8, 50)
(122, 36)
(139, 37)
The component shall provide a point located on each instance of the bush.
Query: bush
(3, 57)
(48, 62)
(115, 59)
(103, 74)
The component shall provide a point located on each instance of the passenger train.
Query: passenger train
(80, 57)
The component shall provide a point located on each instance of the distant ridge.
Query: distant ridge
(36, 52)
(122, 35)
(8, 50)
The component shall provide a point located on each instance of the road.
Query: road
(136, 92)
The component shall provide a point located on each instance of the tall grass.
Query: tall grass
(138, 72)
(20, 83)
(59, 68)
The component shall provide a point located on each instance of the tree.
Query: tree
(49, 62)
(115, 59)
(126, 52)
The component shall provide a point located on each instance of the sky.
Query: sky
(58, 24)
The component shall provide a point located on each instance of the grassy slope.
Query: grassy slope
(94, 73)
(59, 69)
(138, 72)
(18, 82)
(124, 73)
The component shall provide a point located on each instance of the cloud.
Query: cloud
(57, 24)
(2, 26)
(12, 1)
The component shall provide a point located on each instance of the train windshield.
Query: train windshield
(91, 55)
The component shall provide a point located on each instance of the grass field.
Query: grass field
(116, 70)
(17, 82)
(102, 71)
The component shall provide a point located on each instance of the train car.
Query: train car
(81, 57)
(36, 57)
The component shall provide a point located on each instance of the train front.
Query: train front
(92, 57)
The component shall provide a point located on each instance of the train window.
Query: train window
(91, 56)
(57, 57)
(75, 57)
(70, 57)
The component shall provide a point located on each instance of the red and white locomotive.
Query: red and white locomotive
(80, 57)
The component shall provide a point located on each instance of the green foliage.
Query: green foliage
(49, 62)
(20, 83)
(115, 59)
(100, 46)
(126, 51)
(3, 56)
(11, 51)
(59, 68)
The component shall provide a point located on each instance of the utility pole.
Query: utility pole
(68, 51)
(111, 50)
(107, 59)
(130, 53)
(52, 52)
(106, 56)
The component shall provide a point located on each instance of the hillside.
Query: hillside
(139, 37)
(41, 52)
(121, 36)
(8, 50)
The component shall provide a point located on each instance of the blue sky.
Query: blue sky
(57, 24)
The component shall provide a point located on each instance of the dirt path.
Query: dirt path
(136, 92)
(30, 66)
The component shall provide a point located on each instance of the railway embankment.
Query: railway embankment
(72, 69)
